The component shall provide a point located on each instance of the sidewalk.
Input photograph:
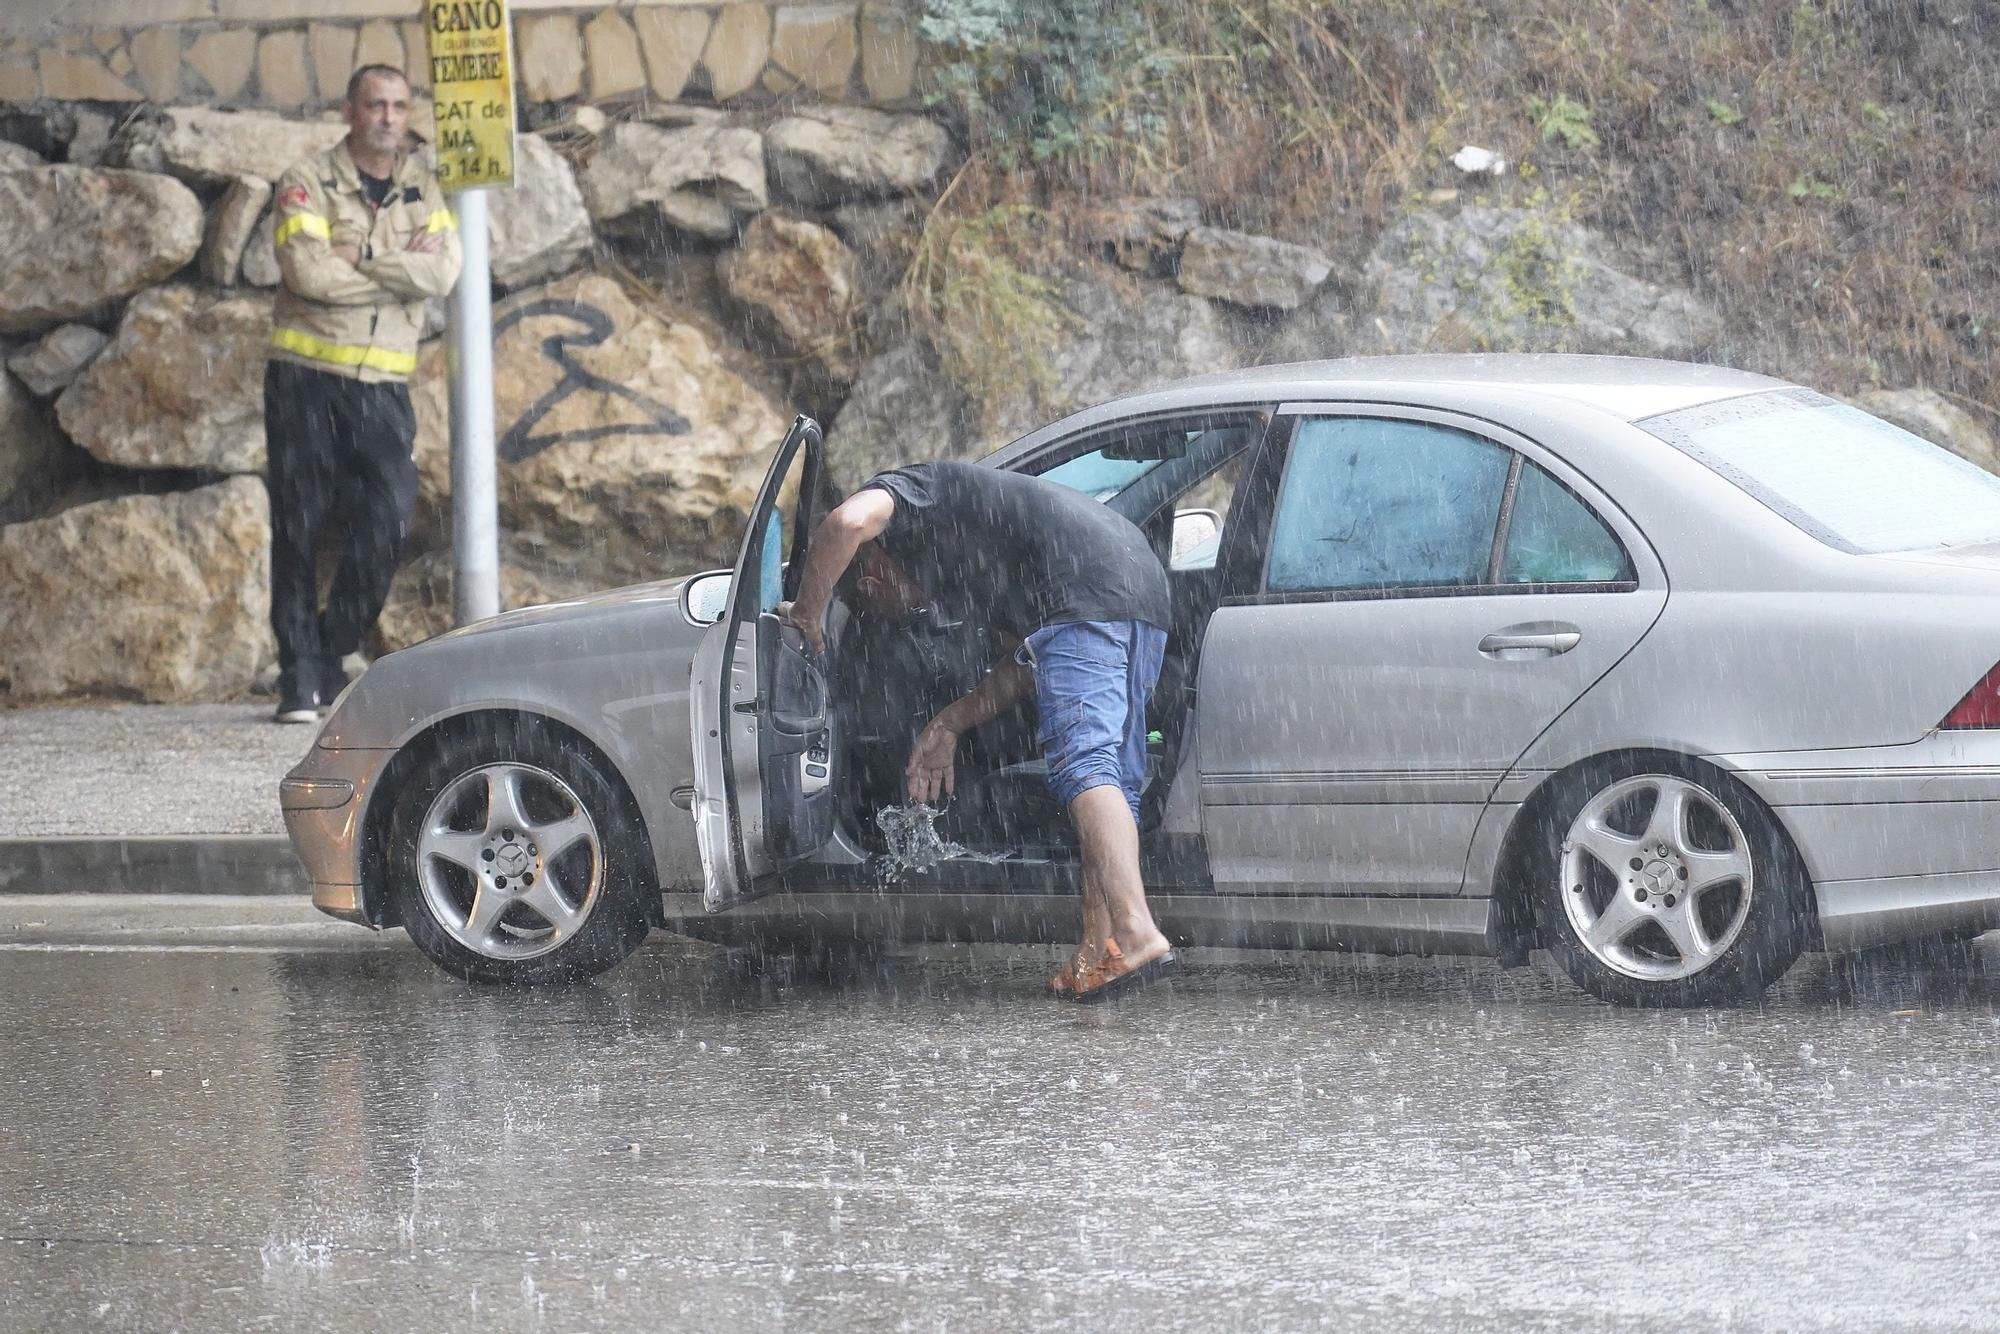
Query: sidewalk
(146, 799)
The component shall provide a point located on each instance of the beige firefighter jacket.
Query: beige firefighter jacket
(360, 320)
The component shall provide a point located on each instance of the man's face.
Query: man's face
(379, 113)
(881, 587)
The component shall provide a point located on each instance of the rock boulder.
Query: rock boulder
(833, 153)
(1249, 270)
(628, 448)
(50, 365)
(177, 588)
(81, 238)
(702, 178)
(540, 228)
(797, 279)
(15, 156)
(214, 147)
(180, 385)
(230, 225)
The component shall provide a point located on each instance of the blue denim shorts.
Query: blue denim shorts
(1092, 680)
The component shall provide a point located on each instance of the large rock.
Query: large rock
(260, 254)
(29, 444)
(206, 146)
(830, 153)
(180, 386)
(1249, 270)
(1516, 280)
(1143, 235)
(1937, 419)
(49, 366)
(230, 226)
(15, 156)
(163, 597)
(1123, 336)
(798, 280)
(700, 178)
(628, 448)
(540, 228)
(80, 238)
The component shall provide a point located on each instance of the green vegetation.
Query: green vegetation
(1561, 118)
(1721, 112)
(971, 287)
(1848, 229)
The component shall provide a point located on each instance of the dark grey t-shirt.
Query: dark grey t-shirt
(1020, 551)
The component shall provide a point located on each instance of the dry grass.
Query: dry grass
(1823, 171)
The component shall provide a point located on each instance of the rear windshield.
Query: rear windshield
(1853, 481)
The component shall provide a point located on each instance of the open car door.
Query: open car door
(762, 727)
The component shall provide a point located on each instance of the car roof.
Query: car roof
(1584, 389)
(1629, 388)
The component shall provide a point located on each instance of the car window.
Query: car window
(1851, 480)
(1553, 538)
(1099, 477)
(1376, 503)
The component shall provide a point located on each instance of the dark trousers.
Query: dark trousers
(337, 449)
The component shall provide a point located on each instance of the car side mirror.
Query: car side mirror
(705, 597)
(1193, 528)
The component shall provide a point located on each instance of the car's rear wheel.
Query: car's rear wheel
(512, 858)
(1664, 883)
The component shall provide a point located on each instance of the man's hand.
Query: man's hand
(425, 243)
(933, 768)
(809, 626)
(350, 253)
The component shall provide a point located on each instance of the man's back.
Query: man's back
(1028, 552)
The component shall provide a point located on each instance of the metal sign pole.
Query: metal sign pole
(475, 496)
(472, 81)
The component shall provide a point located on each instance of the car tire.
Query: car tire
(513, 859)
(1660, 882)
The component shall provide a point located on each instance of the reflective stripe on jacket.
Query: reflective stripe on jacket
(364, 319)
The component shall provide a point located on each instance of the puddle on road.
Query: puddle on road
(915, 846)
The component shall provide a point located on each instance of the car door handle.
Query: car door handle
(1524, 642)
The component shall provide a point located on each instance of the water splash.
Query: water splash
(915, 846)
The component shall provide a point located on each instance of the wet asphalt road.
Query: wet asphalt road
(299, 1125)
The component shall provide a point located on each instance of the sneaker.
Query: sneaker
(297, 708)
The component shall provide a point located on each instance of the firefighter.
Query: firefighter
(363, 237)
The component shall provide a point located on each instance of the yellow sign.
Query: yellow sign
(472, 78)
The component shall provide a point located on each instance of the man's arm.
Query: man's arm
(427, 266)
(933, 767)
(312, 266)
(862, 517)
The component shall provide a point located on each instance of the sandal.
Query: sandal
(1114, 977)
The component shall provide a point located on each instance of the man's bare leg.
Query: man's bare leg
(1114, 896)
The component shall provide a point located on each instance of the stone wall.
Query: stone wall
(293, 55)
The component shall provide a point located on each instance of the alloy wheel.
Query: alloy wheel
(510, 862)
(1657, 877)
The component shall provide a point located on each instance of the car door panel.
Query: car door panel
(765, 753)
(1348, 741)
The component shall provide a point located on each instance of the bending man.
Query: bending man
(1082, 588)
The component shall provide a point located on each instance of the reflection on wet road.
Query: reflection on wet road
(344, 1138)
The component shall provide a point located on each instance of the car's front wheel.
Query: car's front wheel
(1665, 884)
(513, 860)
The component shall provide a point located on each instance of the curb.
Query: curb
(166, 864)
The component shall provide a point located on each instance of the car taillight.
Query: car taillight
(1980, 707)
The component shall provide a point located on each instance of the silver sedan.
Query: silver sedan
(1671, 670)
